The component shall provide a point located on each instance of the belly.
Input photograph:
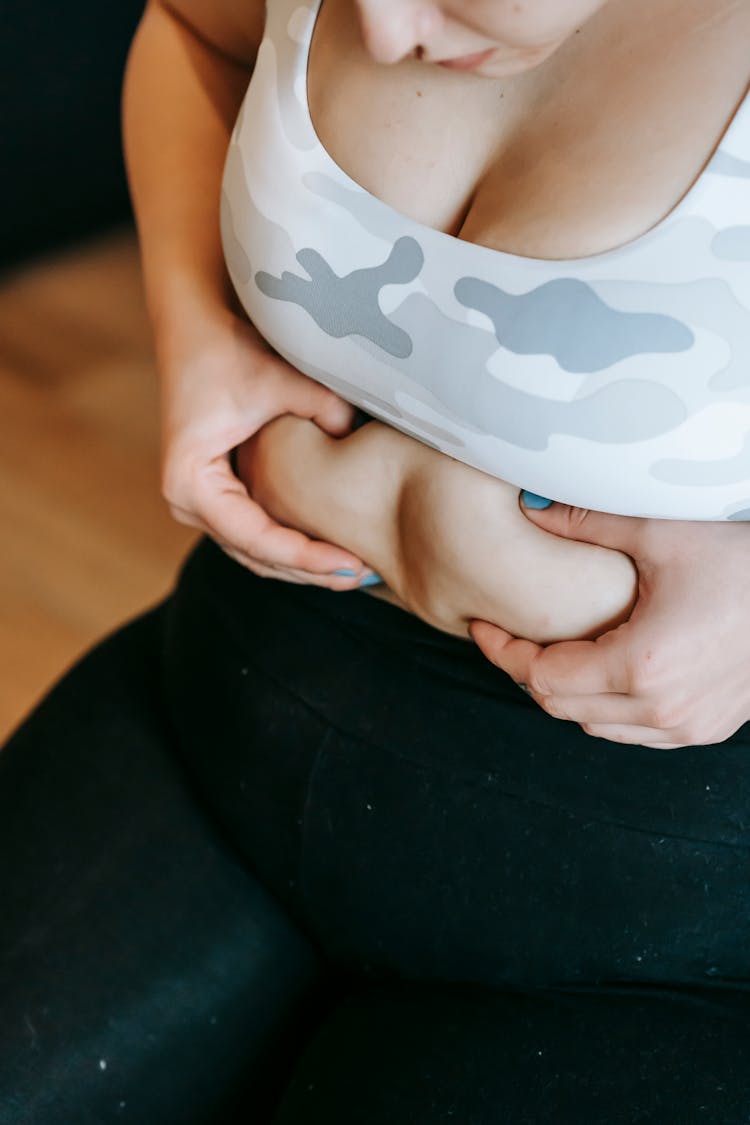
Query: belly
(451, 542)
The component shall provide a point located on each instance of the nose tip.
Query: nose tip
(392, 33)
(388, 45)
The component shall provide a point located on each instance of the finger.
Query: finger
(563, 669)
(295, 577)
(228, 514)
(248, 563)
(287, 549)
(511, 654)
(232, 517)
(633, 736)
(586, 526)
(612, 708)
(334, 415)
(186, 517)
(308, 399)
(336, 582)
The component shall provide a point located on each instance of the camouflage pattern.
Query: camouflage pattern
(619, 382)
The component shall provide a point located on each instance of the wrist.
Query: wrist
(198, 330)
(186, 308)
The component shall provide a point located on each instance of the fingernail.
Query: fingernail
(531, 500)
(371, 580)
(346, 573)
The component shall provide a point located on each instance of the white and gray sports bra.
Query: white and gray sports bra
(619, 382)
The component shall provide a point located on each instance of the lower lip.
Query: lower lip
(468, 62)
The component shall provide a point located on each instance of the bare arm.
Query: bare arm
(187, 72)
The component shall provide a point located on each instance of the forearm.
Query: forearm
(180, 99)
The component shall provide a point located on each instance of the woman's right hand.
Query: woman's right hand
(220, 384)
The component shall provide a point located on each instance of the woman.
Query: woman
(464, 908)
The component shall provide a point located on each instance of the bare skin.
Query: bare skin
(452, 543)
(583, 131)
(570, 158)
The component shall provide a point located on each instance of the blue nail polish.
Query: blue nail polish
(531, 500)
(346, 573)
(371, 580)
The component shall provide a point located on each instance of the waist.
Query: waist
(451, 543)
(388, 679)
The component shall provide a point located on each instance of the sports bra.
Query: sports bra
(619, 382)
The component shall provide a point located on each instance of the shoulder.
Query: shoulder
(233, 27)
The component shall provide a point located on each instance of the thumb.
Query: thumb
(582, 524)
(332, 413)
(291, 392)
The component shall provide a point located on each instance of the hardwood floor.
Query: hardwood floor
(86, 539)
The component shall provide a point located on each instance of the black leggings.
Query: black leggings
(275, 855)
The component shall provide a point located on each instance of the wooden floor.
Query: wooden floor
(85, 538)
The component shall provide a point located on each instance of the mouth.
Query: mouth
(466, 62)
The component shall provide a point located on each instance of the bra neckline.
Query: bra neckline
(425, 231)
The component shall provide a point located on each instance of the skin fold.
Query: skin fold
(582, 130)
(450, 542)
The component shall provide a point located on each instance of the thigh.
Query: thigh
(443, 1056)
(422, 817)
(560, 926)
(145, 975)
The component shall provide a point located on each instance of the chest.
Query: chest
(619, 382)
(584, 155)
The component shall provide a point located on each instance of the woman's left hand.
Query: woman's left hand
(677, 673)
